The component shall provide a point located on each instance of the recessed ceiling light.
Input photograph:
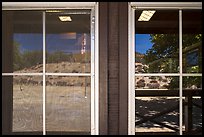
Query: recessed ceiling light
(65, 18)
(146, 15)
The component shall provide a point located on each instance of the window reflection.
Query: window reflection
(156, 82)
(157, 51)
(192, 41)
(157, 42)
(156, 115)
(27, 103)
(192, 82)
(27, 40)
(68, 50)
(194, 100)
(68, 103)
(68, 43)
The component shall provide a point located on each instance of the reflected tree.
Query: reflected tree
(164, 55)
(17, 57)
(31, 58)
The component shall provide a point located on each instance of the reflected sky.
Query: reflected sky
(32, 41)
(54, 42)
(143, 43)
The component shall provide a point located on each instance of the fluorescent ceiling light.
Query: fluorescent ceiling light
(53, 11)
(146, 15)
(65, 18)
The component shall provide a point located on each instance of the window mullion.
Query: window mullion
(180, 76)
(44, 61)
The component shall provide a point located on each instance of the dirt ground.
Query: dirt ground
(67, 108)
(149, 106)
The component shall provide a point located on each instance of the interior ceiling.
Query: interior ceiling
(163, 21)
(167, 21)
(31, 22)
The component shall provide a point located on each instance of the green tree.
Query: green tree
(17, 57)
(58, 56)
(164, 55)
(32, 58)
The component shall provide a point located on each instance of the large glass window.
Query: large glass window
(48, 59)
(167, 71)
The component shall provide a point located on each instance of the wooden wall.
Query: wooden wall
(7, 94)
(113, 80)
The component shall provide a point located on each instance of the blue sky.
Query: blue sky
(142, 43)
(54, 42)
(29, 41)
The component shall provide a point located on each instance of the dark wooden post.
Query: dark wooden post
(103, 68)
(188, 113)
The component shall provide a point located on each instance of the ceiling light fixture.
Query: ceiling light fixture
(65, 18)
(53, 11)
(146, 15)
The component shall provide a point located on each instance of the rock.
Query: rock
(140, 83)
(153, 85)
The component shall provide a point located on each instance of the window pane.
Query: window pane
(192, 82)
(68, 43)
(192, 41)
(22, 41)
(157, 108)
(68, 104)
(192, 86)
(157, 115)
(156, 82)
(27, 103)
(157, 40)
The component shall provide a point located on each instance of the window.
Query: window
(49, 69)
(165, 57)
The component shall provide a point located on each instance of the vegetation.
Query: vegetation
(164, 56)
(17, 56)
(28, 59)
(139, 57)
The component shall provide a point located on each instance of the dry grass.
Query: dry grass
(67, 109)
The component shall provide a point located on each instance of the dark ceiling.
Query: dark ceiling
(163, 21)
(31, 22)
(167, 21)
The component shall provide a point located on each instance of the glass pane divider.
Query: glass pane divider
(192, 74)
(68, 74)
(44, 72)
(158, 74)
(169, 74)
(22, 74)
(180, 76)
(47, 74)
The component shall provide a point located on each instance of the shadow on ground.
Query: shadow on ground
(147, 107)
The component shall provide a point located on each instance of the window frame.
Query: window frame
(132, 6)
(94, 74)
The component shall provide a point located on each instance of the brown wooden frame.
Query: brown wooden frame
(113, 68)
